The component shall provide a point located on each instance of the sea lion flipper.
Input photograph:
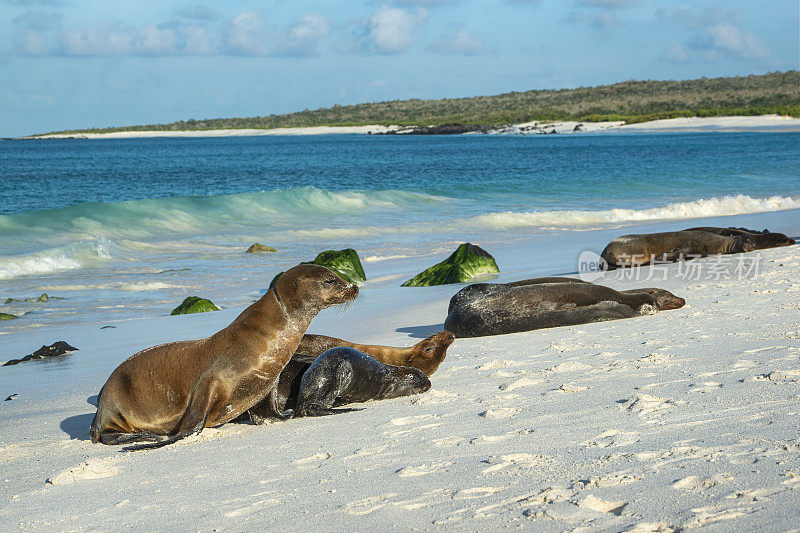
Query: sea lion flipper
(318, 410)
(268, 408)
(193, 420)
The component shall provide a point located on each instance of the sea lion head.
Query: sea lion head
(309, 285)
(405, 380)
(665, 300)
(429, 353)
(774, 240)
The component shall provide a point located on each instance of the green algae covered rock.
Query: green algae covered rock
(464, 264)
(257, 248)
(194, 304)
(344, 262)
(7, 316)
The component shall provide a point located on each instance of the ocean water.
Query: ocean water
(128, 228)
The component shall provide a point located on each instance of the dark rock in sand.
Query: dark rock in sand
(345, 262)
(259, 249)
(194, 304)
(464, 264)
(45, 352)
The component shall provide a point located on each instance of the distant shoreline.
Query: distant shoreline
(762, 123)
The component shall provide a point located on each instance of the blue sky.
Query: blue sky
(89, 63)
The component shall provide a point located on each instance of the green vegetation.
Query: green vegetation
(631, 101)
(464, 264)
(194, 304)
(7, 316)
(345, 263)
(258, 248)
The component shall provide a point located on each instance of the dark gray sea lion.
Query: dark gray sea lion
(344, 375)
(173, 390)
(763, 239)
(671, 246)
(425, 355)
(494, 309)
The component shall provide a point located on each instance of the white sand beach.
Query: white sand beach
(756, 123)
(682, 419)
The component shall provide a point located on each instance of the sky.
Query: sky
(70, 64)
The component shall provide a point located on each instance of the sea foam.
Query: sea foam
(707, 207)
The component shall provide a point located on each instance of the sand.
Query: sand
(756, 123)
(681, 419)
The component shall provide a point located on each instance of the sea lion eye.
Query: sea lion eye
(429, 348)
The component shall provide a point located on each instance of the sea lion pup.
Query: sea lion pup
(671, 246)
(344, 375)
(425, 355)
(173, 390)
(763, 239)
(494, 309)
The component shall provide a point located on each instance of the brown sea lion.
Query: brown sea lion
(494, 309)
(425, 355)
(671, 246)
(173, 390)
(345, 375)
(763, 239)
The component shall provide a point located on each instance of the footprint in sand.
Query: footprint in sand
(496, 364)
(609, 480)
(519, 383)
(476, 492)
(422, 470)
(696, 484)
(708, 386)
(520, 460)
(313, 461)
(613, 439)
(602, 506)
(91, 469)
(570, 366)
(491, 439)
(254, 507)
(709, 515)
(410, 419)
(434, 397)
(369, 505)
(644, 404)
(497, 413)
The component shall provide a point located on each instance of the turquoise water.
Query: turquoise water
(120, 221)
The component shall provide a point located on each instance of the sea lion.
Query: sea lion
(671, 246)
(425, 355)
(173, 390)
(344, 375)
(494, 309)
(763, 239)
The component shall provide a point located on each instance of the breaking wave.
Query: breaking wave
(710, 207)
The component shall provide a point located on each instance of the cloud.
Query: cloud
(715, 37)
(116, 40)
(461, 42)
(304, 36)
(244, 35)
(391, 29)
(600, 15)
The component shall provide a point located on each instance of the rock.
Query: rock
(12, 300)
(43, 298)
(344, 262)
(194, 304)
(577, 127)
(7, 316)
(45, 352)
(464, 264)
(259, 249)
(13, 396)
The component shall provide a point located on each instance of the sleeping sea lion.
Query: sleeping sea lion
(494, 309)
(344, 375)
(763, 239)
(671, 246)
